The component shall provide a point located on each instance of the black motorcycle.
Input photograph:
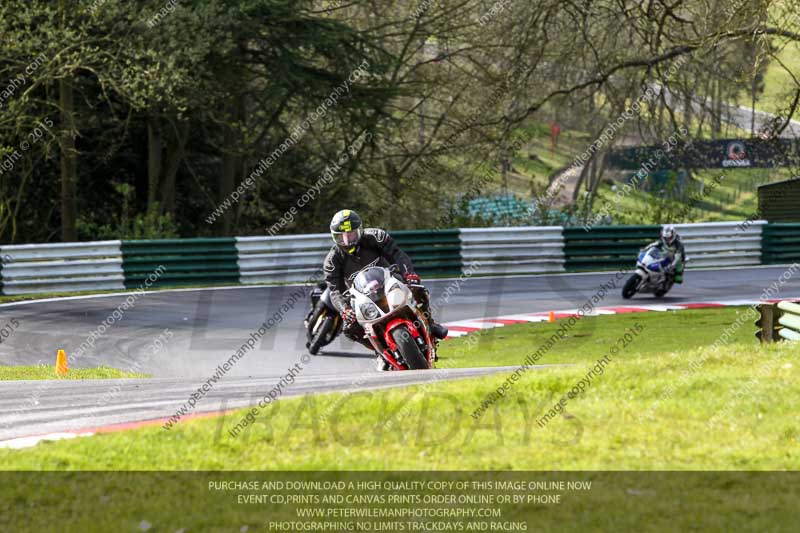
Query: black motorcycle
(322, 323)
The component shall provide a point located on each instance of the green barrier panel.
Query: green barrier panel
(180, 262)
(606, 247)
(434, 252)
(780, 243)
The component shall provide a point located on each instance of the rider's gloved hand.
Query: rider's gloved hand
(411, 277)
(349, 319)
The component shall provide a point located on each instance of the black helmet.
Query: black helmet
(346, 229)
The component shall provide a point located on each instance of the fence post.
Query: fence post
(766, 323)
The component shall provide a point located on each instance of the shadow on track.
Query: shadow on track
(349, 355)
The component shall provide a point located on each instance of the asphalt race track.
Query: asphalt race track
(206, 326)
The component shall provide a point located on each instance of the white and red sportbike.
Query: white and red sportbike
(392, 319)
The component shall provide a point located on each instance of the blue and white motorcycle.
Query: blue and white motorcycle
(653, 274)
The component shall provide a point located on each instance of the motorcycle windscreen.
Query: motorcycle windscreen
(655, 259)
(370, 282)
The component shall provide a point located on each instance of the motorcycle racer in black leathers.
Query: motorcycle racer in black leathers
(356, 248)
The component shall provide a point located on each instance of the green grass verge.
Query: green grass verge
(735, 198)
(534, 163)
(13, 373)
(641, 414)
(531, 176)
(196, 501)
(660, 404)
(589, 339)
(779, 85)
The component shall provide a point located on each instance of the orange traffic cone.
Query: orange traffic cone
(61, 363)
(552, 317)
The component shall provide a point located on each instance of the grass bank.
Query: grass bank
(591, 337)
(659, 403)
(13, 373)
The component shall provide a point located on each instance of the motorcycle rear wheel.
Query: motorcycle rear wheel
(630, 287)
(664, 289)
(408, 348)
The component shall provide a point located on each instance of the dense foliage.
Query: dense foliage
(150, 118)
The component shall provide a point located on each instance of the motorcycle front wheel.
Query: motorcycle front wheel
(408, 348)
(321, 336)
(630, 286)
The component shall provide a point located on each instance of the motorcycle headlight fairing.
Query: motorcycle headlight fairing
(370, 311)
(396, 297)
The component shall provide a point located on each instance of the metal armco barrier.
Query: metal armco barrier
(606, 247)
(293, 258)
(62, 267)
(513, 250)
(780, 243)
(297, 258)
(433, 252)
(114, 265)
(790, 320)
(721, 243)
(185, 261)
